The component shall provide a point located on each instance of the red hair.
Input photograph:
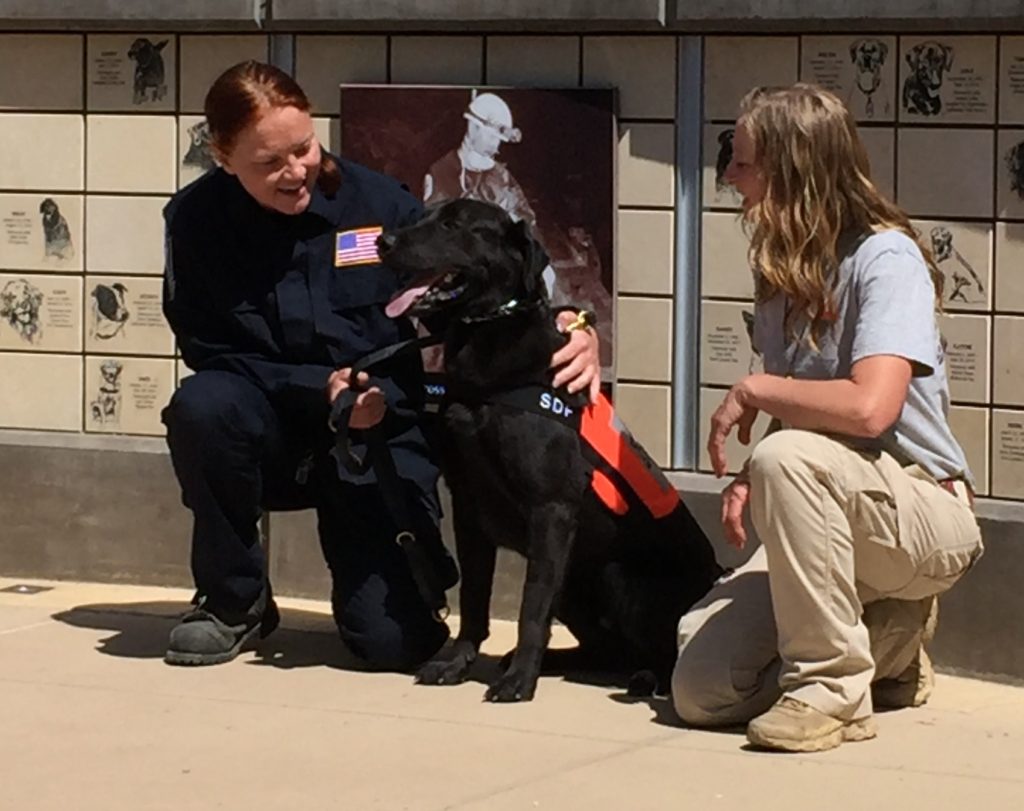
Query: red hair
(238, 97)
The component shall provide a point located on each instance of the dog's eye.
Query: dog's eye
(448, 225)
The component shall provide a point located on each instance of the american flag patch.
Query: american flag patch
(357, 247)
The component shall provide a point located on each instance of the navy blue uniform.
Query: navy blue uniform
(264, 309)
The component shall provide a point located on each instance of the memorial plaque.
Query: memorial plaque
(717, 155)
(130, 72)
(967, 356)
(948, 79)
(735, 452)
(41, 71)
(970, 427)
(125, 234)
(125, 395)
(40, 313)
(1009, 267)
(1010, 174)
(880, 144)
(725, 347)
(1008, 365)
(724, 268)
(861, 70)
(1007, 454)
(205, 57)
(963, 252)
(945, 172)
(733, 66)
(1011, 80)
(195, 157)
(40, 232)
(124, 316)
(42, 392)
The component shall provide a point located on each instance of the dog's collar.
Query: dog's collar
(510, 307)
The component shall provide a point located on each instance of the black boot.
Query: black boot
(204, 638)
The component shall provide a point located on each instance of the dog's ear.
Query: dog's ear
(854, 47)
(883, 51)
(535, 260)
(914, 56)
(160, 45)
(947, 53)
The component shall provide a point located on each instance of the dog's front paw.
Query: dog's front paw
(512, 686)
(444, 671)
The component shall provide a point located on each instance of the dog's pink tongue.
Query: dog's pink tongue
(404, 299)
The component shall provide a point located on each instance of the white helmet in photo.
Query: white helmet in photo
(491, 111)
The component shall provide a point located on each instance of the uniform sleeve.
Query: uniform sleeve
(896, 310)
(209, 340)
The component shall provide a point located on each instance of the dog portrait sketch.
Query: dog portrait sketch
(20, 304)
(724, 158)
(868, 57)
(928, 63)
(149, 83)
(106, 408)
(1014, 159)
(109, 312)
(56, 234)
(962, 282)
(199, 155)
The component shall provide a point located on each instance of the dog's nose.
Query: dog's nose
(385, 242)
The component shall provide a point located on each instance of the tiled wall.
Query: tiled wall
(953, 167)
(89, 154)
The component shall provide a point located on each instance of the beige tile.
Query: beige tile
(1007, 453)
(645, 249)
(1010, 174)
(1011, 80)
(48, 394)
(947, 80)
(324, 62)
(642, 68)
(125, 234)
(726, 354)
(733, 66)
(1008, 361)
(859, 68)
(880, 144)
(927, 187)
(131, 153)
(41, 72)
(963, 251)
(736, 453)
(42, 152)
(328, 132)
(644, 339)
(125, 395)
(533, 61)
(647, 411)
(40, 232)
(123, 316)
(40, 313)
(1009, 267)
(970, 427)
(194, 155)
(436, 60)
(968, 356)
(724, 269)
(646, 164)
(204, 58)
(130, 72)
(717, 151)
(181, 371)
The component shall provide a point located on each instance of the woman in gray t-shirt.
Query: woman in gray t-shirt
(860, 494)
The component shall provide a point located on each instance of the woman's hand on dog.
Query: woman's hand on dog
(579, 361)
(370, 404)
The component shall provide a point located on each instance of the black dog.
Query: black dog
(724, 156)
(56, 234)
(928, 62)
(1015, 166)
(149, 84)
(617, 569)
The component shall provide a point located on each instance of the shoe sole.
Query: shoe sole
(190, 659)
(863, 730)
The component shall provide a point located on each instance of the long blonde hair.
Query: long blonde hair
(817, 187)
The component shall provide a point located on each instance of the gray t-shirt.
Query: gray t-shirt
(884, 306)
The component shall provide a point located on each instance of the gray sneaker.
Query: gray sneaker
(203, 638)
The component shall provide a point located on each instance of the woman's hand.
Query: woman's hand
(579, 361)
(732, 412)
(734, 502)
(370, 404)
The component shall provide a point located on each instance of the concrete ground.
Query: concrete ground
(91, 718)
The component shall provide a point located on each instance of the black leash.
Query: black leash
(433, 570)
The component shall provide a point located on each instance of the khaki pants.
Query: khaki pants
(839, 529)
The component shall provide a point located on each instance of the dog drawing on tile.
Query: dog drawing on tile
(1014, 159)
(149, 82)
(945, 253)
(868, 57)
(109, 312)
(56, 234)
(106, 408)
(198, 155)
(928, 63)
(20, 305)
(724, 158)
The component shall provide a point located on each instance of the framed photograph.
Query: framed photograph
(545, 156)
